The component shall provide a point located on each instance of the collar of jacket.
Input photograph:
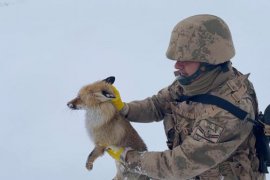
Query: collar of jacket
(208, 81)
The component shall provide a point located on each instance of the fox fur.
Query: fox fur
(105, 125)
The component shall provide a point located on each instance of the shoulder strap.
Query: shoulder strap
(217, 101)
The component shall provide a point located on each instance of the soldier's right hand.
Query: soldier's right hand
(118, 153)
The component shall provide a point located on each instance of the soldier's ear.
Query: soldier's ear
(109, 80)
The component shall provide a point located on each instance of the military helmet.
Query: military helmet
(201, 38)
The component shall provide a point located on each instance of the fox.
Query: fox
(105, 125)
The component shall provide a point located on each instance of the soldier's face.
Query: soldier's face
(186, 68)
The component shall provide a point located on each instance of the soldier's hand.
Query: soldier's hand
(117, 101)
(118, 153)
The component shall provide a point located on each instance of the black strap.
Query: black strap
(217, 101)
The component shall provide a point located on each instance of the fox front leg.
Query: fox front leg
(97, 151)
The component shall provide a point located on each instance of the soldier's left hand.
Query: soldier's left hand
(118, 153)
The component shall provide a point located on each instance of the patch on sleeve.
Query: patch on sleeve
(207, 131)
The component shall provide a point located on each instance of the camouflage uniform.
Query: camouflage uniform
(210, 143)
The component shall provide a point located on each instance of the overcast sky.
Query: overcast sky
(49, 49)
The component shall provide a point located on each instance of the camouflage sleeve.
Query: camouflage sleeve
(195, 156)
(150, 109)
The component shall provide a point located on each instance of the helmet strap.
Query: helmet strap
(204, 67)
(189, 79)
(225, 66)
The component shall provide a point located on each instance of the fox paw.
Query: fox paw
(89, 165)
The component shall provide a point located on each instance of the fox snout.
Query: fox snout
(73, 104)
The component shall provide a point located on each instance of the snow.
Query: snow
(49, 49)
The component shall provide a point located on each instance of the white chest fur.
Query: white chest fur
(95, 118)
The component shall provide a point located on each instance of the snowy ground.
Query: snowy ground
(49, 49)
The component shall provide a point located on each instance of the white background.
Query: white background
(49, 49)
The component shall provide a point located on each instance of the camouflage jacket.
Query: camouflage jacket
(210, 143)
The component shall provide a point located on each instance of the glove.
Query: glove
(118, 153)
(117, 101)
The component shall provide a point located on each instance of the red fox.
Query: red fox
(105, 125)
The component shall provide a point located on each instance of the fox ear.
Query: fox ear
(109, 80)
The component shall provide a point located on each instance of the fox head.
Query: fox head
(93, 95)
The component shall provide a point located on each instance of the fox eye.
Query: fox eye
(107, 94)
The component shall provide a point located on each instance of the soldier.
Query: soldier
(205, 141)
